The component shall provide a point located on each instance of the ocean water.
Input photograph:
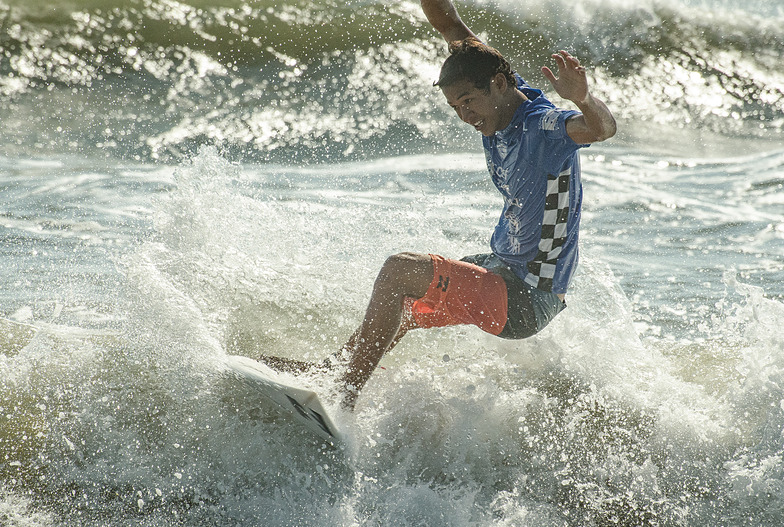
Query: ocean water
(185, 180)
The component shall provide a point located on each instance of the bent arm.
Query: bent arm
(595, 124)
(443, 16)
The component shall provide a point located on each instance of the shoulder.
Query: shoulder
(549, 120)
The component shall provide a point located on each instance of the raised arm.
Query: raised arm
(596, 122)
(443, 16)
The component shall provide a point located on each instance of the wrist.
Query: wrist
(586, 101)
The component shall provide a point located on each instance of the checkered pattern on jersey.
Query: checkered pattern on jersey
(556, 213)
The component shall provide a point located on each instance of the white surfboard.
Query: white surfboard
(303, 404)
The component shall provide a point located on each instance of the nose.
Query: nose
(465, 114)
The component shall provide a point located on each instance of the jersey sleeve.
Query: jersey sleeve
(552, 124)
(546, 117)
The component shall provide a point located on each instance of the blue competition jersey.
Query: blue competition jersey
(536, 167)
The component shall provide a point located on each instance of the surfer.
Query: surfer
(531, 147)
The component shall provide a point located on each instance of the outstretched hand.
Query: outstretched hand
(571, 83)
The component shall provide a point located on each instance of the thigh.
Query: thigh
(522, 320)
(462, 293)
(406, 275)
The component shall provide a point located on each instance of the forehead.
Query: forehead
(454, 93)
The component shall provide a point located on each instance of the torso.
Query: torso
(535, 166)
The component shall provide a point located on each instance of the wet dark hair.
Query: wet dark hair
(472, 60)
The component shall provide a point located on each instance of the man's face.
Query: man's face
(476, 107)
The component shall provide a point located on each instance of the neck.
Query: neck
(509, 106)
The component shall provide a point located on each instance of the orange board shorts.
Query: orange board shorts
(461, 293)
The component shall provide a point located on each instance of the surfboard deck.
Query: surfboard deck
(301, 403)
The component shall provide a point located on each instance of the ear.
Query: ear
(500, 82)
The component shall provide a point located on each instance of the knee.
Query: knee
(402, 264)
(403, 268)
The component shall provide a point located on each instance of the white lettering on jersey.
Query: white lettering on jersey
(549, 121)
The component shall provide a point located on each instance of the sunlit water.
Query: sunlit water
(144, 256)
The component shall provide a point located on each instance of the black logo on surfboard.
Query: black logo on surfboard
(310, 414)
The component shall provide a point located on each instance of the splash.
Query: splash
(318, 81)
